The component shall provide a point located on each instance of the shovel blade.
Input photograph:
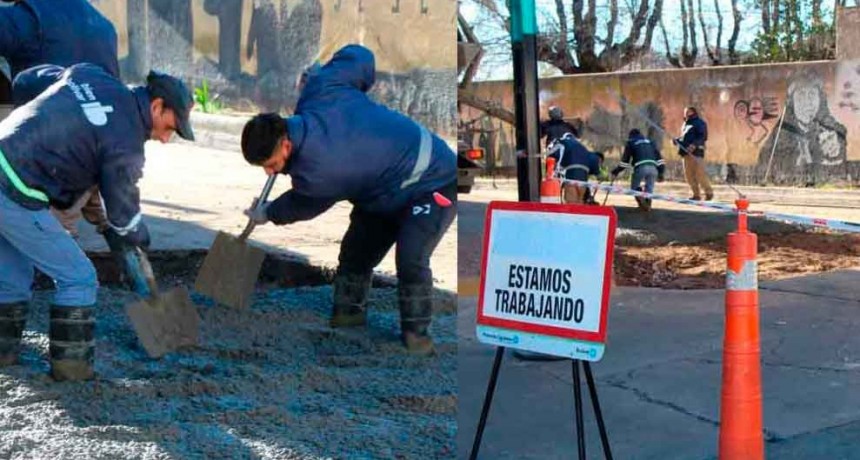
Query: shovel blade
(230, 270)
(167, 323)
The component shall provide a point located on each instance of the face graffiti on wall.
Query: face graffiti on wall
(850, 89)
(811, 142)
(757, 113)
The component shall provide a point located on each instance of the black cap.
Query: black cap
(176, 97)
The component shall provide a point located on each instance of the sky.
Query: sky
(497, 65)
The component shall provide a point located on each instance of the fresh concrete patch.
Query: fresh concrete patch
(270, 382)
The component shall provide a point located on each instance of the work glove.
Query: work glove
(137, 237)
(258, 214)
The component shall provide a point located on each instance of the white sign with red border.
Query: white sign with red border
(545, 278)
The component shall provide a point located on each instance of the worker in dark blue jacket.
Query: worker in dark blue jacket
(64, 33)
(85, 128)
(60, 32)
(691, 147)
(644, 160)
(574, 162)
(556, 127)
(401, 179)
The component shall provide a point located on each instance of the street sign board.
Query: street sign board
(545, 278)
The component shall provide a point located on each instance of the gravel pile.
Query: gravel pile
(271, 382)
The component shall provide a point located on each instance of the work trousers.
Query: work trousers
(645, 173)
(573, 193)
(31, 239)
(694, 171)
(416, 230)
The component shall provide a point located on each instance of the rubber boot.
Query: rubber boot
(12, 319)
(416, 312)
(350, 299)
(72, 334)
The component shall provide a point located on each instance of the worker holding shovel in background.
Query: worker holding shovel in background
(400, 178)
(643, 159)
(87, 128)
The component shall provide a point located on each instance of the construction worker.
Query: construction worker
(691, 147)
(64, 33)
(574, 162)
(400, 178)
(87, 127)
(644, 160)
(556, 127)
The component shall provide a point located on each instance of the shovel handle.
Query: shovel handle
(264, 195)
(148, 273)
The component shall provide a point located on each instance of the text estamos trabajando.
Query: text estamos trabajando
(541, 293)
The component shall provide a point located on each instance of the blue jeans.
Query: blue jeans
(647, 173)
(31, 239)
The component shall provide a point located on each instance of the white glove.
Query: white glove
(258, 214)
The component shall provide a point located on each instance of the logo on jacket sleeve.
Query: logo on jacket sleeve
(421, 209)
(94, 110)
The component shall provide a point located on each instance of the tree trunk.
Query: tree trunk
(493, 109)
(736, 30)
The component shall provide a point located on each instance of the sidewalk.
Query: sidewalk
(659, 383)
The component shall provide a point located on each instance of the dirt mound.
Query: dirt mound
(703, 265)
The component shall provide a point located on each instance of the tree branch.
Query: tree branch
(491, 108)
(736, 30)
(711, 55)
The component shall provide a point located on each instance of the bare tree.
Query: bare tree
(689, 48)
(572, 40)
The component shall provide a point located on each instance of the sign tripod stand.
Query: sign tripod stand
(577, 398)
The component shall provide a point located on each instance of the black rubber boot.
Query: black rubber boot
(350, 299)
(12, 319)
(416, 312)
(72, 334)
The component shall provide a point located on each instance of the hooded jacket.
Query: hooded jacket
(573, 160)
(639, 151)
(61, 32)
(86, 128)
(348, 147)
(694, 133)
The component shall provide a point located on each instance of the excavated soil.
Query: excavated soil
(270, 382)
(703, 265)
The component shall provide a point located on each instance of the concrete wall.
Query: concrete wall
(819, 141)
(252, 51)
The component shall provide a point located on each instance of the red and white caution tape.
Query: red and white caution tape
(831, 224)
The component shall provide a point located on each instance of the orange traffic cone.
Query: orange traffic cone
(741, 435)
(550, 188)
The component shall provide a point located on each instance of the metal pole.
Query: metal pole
(595, 403)
(488, 400)
(577, 399)
(526, 103)
(775, 141)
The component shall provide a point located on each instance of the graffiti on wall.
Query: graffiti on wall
(811, 143)
(757, 114)
(262, 47)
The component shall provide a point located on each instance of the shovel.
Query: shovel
(230, 269)
(163, 322)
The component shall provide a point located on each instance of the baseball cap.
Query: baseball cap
(176, 97)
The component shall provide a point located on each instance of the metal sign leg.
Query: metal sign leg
(604, 438)
(577, 398)
(488, 401)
